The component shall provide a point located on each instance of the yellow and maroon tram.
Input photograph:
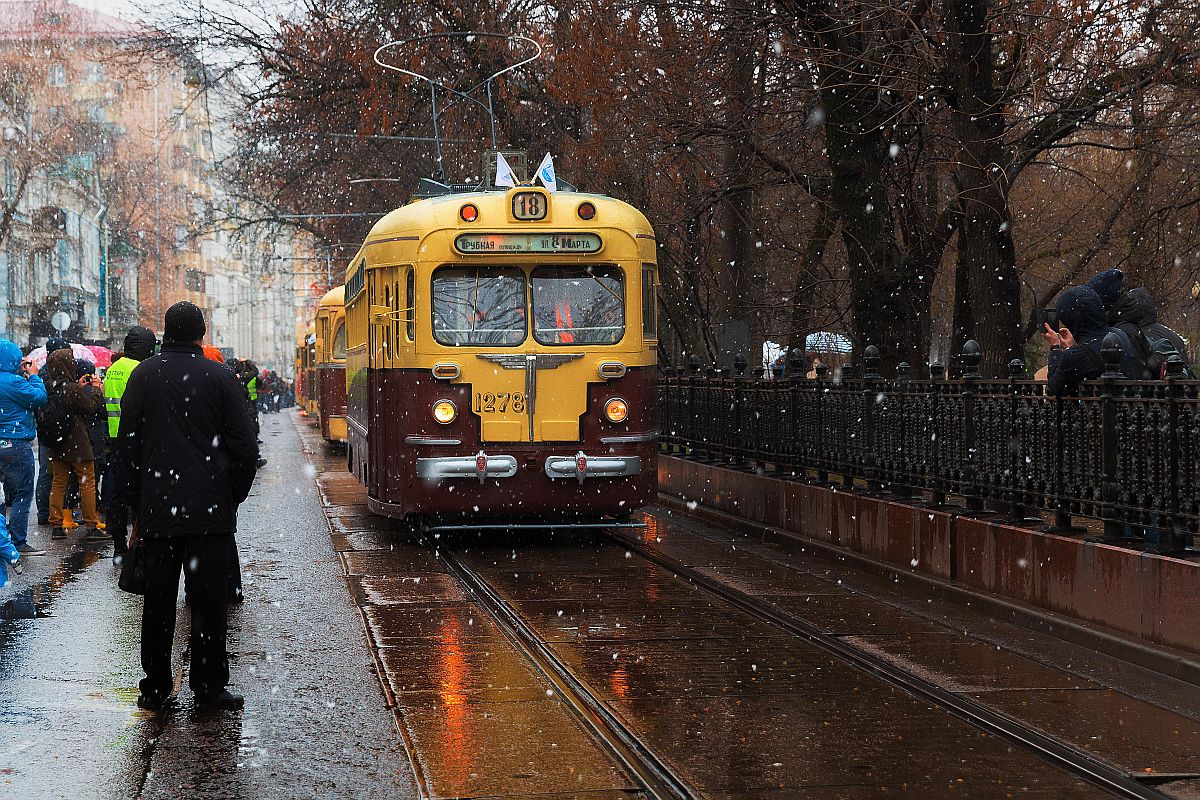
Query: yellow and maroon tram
(330, 365)
(501, 357)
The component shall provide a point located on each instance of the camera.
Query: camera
(1046, 316)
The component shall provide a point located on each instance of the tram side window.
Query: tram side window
(387, 332)
(410, 298)
(339, 343)
(478, 306)
(578, 305)
(396, 309)
(649, 303)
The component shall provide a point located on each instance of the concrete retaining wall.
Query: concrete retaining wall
(1152, 598)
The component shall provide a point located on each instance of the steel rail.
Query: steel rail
(1056, 752)
(641, 763)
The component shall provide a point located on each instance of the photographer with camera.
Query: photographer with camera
(21, 394)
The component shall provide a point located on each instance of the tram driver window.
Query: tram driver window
(578, 305)
(339, 343)
(478, 306)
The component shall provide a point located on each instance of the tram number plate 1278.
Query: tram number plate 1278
(499, 403)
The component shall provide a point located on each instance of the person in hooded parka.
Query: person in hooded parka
(1075, 348)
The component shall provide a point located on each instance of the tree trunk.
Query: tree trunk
(738, 222)
(883, 293)
(986, 269)
(814, 254)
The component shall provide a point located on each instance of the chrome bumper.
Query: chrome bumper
(582, 466)
(480, 466)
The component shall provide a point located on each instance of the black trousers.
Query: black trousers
(205, 564)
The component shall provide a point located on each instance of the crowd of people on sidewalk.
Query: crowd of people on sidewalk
(157, 455)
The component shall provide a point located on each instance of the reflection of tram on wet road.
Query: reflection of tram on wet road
(501, 357)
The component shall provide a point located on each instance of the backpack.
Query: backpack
(55, 421)
(1153, 352)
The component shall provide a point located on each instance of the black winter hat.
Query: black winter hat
(184, 322)
(139, 342)
(55, 343)
(84, 367)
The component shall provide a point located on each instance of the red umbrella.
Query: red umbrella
(102, 356)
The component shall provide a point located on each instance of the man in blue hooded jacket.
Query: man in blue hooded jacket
(1076, 347)
(21, 393)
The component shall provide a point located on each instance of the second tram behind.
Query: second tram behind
(330, 365)
(501, 358)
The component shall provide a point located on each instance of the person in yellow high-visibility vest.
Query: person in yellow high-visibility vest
(139, 345)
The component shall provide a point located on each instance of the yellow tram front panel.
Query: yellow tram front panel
(528, 328)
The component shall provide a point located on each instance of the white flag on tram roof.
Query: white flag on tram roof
(504, 174)
(545, 173)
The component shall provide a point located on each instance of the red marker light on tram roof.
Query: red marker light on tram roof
(586, 211)
(468, 213)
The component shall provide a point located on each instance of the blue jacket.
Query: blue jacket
(1081, 311)
(19, 396)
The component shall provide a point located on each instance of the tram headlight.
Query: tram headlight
(616, 410)
(444, 411)
(586, 211)
(468, 213)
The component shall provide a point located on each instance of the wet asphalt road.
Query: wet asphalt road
(736, 709)
(315, 722)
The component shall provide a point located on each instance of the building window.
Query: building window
(94, 73)
(96, 112)
(57, 75)
(181, 237)
(194, 280)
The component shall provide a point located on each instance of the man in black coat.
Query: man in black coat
(1075, 348)
(186, 460)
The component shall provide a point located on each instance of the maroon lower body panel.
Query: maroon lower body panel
(331, 396)
(414, 467)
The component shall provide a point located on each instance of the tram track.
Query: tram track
(1077, 762)
(638, 759)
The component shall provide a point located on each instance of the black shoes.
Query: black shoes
(58, 533)
(152, 702)
(26, 549)
(262, 462)
(223, 701)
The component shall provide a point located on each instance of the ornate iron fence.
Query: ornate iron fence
(1126, 453)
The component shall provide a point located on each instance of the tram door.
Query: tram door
(388, 340)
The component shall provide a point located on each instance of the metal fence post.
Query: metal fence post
(1016, 489)
(1112, 352)
(737, 443)
(692, 410)
(900, 480)
(794, 452)
(846, 459)
(1174, 527)
(971, 356)
(871, 393)
(937, 374)
(821, 448)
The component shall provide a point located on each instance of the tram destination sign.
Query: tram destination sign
(484, 243)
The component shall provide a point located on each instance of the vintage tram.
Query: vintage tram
(330, 365)
(501, 359)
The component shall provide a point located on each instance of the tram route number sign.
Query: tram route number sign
(484, 243)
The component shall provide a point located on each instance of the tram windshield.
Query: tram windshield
(578, 305)
(477, 306)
